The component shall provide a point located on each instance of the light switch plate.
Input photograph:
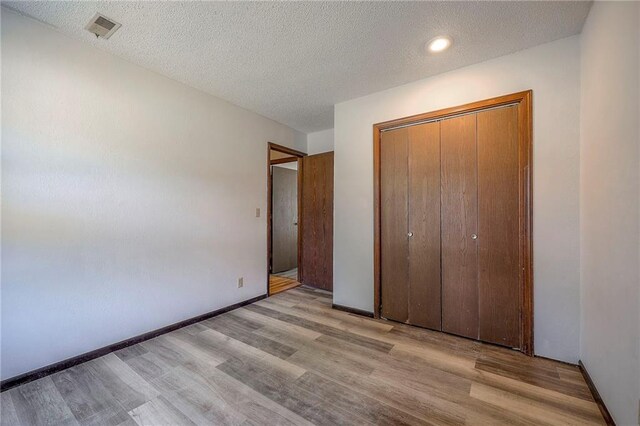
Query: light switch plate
(258, 212)
(240, 282)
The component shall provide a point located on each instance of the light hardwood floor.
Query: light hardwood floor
(291, 273)
(279, 283)
(291, 359)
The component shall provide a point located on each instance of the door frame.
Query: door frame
(295, 155)
(525, 157)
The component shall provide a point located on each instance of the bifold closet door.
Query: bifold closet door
(424, 226)
(498, 226)
(410, 225)
(453, 225)
(394, 246)
(459, 226)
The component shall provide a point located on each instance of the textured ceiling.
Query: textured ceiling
(293, 61)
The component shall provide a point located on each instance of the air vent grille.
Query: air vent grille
(102, 26)
(105, 23)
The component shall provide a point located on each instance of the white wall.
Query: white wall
(319, 142)
(291, 166)
(609, 184)
(128, 199)
(552, 71)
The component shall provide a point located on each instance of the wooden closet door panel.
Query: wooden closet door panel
(284, 239)
(498, 236)
(317, 221)
(459, 224)
(424, 224)
(394, 245)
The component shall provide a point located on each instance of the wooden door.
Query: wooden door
(483, 213)
(284, 216)
(459, 226)
(394, 243)
(317, 221)
(424, 293)
(498, 226)
(410, 225)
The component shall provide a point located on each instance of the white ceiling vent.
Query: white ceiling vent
(102, 26)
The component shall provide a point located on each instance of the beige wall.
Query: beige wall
(125, 207)
(319, 142)
(610, 216)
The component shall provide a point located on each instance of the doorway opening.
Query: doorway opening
(284, 168)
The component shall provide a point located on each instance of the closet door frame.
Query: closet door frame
(525, 125)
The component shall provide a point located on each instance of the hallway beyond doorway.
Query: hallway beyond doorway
(283, 281)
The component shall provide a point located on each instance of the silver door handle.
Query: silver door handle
(474, 237)
(410, 234)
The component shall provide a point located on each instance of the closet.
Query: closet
(454, 249)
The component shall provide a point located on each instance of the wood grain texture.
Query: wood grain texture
(278, 284)
(424, 224)
(608, 418)
(284, 219)
(283, 160)
(188, 325)
(512, 98)
(344, 369)
(459, 222)
(300, 221)
(498, 227)
(377, 222)
(276, 151)
(523, 102)
(394, 246)
(525, 159)
(317, 221)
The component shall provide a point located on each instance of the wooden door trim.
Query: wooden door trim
(284, 160)
(525, 133)
(298, 155)
(286, 150)
(300, 245)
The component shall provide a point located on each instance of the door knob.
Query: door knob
(474, 237)
(410, 234)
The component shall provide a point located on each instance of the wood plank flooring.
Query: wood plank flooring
(279, 283)
(292, 360)
(291, 273)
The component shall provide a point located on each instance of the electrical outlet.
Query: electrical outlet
(240, 282)
(258, 212)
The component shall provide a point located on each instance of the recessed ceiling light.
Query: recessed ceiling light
(439, 44)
